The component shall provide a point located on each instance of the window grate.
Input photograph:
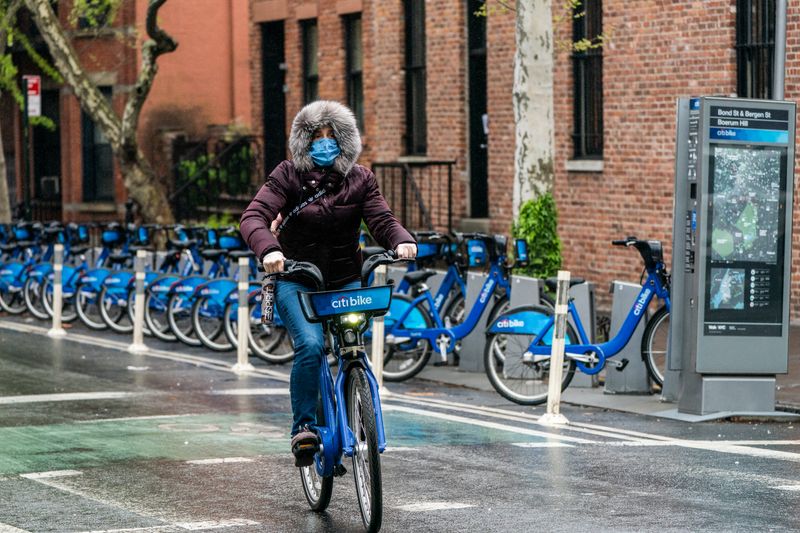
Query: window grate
(755, 48)
(587, 68)
(416, 97)
(310, 63)
(353, 67)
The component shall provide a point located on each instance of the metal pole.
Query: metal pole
(58, 294)
(243, 318)
(377, 332)
(780, 50)
(138, 345)
(553, 415)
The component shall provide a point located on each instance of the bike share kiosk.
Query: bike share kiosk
(731, 253)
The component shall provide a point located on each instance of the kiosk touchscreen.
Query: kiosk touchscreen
(733, 208)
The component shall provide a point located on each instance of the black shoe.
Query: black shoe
(304, 445)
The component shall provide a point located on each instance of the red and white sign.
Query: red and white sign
(34, 95)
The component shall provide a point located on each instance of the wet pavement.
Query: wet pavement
(93, 438)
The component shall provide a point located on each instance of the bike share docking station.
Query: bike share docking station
(731, 260)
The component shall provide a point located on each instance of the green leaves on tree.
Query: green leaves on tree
(538, 224)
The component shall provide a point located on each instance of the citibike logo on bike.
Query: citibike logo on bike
(344, 302)
(637, 309)
(510, 323)
(487, 290)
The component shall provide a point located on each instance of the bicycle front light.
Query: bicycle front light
(352, 319)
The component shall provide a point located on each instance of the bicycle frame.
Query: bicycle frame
(336, 436)
(651, 288)
(495, 279)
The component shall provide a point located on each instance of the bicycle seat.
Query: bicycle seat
(418, 276)
(137, 247)
(213, 254)
(119, 258)
(552, 283)
(238, 254)
(369, 251)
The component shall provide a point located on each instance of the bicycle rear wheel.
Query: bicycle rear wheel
(179, 317)
(113, 309)
(209, 324)
(525, 383)
(155, 317)
(32, 292)
(87, 305)
(366, 458)
(655, 342)
(318, 489)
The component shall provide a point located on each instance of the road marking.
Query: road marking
(5, 528)
(484, 423)
(795, 488)
(708, 443)
(188, 526)
(220, 461)
(127, 418)
(251, 392)
(203, 362)
(432, 506)
(542, 445)
(65, 397)
(50, 475)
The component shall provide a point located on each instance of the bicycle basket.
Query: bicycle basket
(231, 242)
(477, 253)
(521, 252)
(112, 236)
(317, 306)
(427, 249)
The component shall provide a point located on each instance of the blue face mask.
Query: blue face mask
(324, 152)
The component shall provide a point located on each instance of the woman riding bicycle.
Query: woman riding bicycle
(320, 195)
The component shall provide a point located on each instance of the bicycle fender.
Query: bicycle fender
(161, 285)
(519, 321)
(217, 289)
(95, 277)
(253, 293)
(11, 270)
(187, 286)
(119, 280)
(40, 270)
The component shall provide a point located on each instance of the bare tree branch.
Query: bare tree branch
(159, 43)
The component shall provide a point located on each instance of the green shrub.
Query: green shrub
(222, 221)
(538, 225)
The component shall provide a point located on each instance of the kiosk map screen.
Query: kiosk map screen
(744, 272)
(746, 204)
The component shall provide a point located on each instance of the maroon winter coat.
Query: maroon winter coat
(325, 233)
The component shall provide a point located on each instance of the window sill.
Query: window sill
(584, 165)
(413, 159)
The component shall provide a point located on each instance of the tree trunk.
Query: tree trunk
(533, 101)
(139, 179)
(5, 201)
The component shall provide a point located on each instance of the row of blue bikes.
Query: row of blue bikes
(191, 296)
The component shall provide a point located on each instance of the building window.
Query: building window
(98, 163)
(755, 47)
(587, 68)
(310, 65)
(95, 15)
(416, 123)
(355, 87)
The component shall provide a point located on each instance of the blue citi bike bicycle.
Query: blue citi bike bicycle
(518, 342)
(349, 418)
(414, 326)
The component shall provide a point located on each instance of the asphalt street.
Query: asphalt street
(93, 438)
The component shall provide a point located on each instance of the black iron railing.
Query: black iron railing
(216, 181)
(419, 193)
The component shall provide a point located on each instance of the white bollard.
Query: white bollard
(377, 333)
(243, 318)
(553, 415)
(58, 291)
(138, 345)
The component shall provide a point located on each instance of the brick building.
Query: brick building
(431, 72)
(205, 82)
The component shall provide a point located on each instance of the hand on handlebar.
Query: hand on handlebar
(273, 262)
(406, 250)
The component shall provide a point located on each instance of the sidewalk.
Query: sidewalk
(787, 394)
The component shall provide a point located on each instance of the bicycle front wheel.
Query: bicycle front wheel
(179, 317)
(404, 360)
(209, 324)
(34, 299)
(366, 458)
(318, 489)
(524, 382)
(113, 309)
(655, 342)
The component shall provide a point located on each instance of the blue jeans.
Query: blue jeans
(309, 352)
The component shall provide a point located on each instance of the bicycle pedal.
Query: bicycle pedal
(339, 470)
(620, 365)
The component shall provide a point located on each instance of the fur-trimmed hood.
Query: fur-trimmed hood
(325, 113)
